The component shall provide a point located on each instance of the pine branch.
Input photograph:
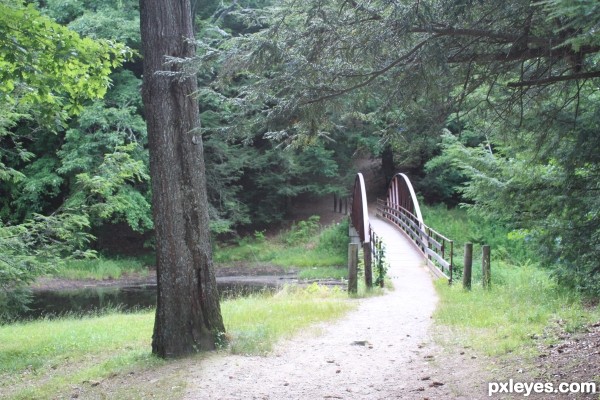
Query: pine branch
(554, 79)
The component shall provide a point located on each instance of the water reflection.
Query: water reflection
(48, 303)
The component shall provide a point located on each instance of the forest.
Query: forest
(490, 106)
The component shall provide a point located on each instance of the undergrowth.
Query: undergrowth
(524, 303)
(103, 268)
(306, 245)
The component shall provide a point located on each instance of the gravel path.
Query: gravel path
(380, 351)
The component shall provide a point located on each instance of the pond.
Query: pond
(93, 299)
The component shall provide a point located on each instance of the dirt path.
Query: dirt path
(383, 350)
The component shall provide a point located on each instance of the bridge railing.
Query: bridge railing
(438, 249)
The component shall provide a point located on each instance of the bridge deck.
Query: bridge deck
(411, 278)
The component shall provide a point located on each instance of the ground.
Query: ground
(388, 348)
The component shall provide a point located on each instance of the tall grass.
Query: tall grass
(462, 227)
(304, 245)
(103, 268)
(45, 359)
(524, 304)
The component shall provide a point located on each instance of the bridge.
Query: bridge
(396, 231)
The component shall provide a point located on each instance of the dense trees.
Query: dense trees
(289, 92)
(48, 72)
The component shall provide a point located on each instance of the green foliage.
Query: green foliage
(578, 20)
(48, 69)
(34, 248)
(548, 192)
(507, 245)
(118, 21)
(303, 231)
(381, 265)
(48, 74)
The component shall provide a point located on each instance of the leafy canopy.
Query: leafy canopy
(47, 69)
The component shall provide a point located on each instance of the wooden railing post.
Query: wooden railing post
(368, 264)
(486, 267)
(352, 267)
(468, 262)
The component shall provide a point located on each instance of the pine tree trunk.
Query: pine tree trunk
(188, 313)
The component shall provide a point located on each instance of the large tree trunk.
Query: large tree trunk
(188, 314)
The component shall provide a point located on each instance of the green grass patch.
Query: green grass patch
(305, 245)
(462, 227)
(42, 358)
(102, 268)
(338, 273)
(255, 323)
(520, 307)
(47, 358)
(524, 303)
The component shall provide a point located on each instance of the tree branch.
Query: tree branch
(374, 75)
(500, 36)
(554, 79)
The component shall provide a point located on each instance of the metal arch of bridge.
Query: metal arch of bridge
(401, 195)
(401, 207)
(360, 211)
(359, 217)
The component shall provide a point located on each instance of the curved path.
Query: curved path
(382, 350)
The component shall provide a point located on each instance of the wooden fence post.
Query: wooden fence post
(468, 263)
(352, 267)
(368, 265)
(334, 202)
(486, 267)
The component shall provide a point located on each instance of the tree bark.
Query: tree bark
(188, 314)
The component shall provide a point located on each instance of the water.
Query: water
(93, 299)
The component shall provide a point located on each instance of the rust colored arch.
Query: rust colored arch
(401, 194)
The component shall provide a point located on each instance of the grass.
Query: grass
(46, 358)
(336, 273)
(256, 322)
(306, 245)
(42, 358)
(103, 268)
(524, 303)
